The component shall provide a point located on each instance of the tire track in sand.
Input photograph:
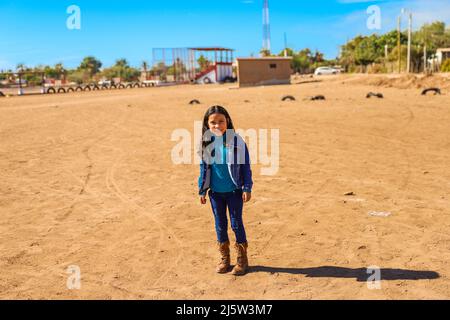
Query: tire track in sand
(85, 152)
(117, 191)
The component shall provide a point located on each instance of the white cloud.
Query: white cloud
(429, 11)
(339, 28)
(424, 11)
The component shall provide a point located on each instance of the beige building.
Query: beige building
(264, 71)
(442, 54)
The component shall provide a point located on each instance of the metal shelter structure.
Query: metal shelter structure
(191, 65)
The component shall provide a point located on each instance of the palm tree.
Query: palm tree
(144, 67)
(21, 67)
(90, 64)
(265, 53)
(60, 71)
(122, 63)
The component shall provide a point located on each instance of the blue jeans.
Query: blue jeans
(219, 203)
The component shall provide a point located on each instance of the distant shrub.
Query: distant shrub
(445, 67)
(377, 68)
(77, 76)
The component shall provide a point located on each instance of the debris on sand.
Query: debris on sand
(319, 97)
(372, 94)
(379, 214)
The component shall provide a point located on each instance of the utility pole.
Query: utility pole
(409, 43)
(399, 44)
(285, 45)
(42, 83)
(425, 67)
(20, 85)
(385, 55)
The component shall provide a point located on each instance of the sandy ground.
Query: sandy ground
(87, 180)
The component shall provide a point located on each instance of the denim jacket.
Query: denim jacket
(239, 169)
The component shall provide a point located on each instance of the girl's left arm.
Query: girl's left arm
(247, 172)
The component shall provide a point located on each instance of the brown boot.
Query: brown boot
(242, 261)
(224, 264)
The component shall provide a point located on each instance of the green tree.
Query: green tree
(90, 65)
(304, 61)
(203, 62)
(122, 63)
(76, 76)
(366, 52)
(433, 35)
(160, 70)
(56, 72)
(264, 53)
(21, 67)
(445, 67)
(391, 40)
(121, 69)
(290, 52)
(318, 57)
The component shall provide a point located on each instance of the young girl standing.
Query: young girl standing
(226, 175)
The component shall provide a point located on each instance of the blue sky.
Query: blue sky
(34, 31)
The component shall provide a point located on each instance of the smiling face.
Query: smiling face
(217, 123)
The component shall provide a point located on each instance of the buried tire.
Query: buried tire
(195, 101)
(51, 90)
(290, 98)
(207, 80)
(1, 94)
(229, 79)
(319, 97)
(436, 91)
(378, 95)
(70, 90)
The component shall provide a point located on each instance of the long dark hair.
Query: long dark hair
(210, 111)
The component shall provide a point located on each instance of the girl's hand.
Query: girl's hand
(203, 199)
(246, 196)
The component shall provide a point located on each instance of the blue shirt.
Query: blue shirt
(220, 176)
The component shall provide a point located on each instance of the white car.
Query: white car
(326, 70)
(104, 83)
(152, 83)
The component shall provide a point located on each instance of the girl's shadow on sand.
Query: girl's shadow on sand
(361, 274)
